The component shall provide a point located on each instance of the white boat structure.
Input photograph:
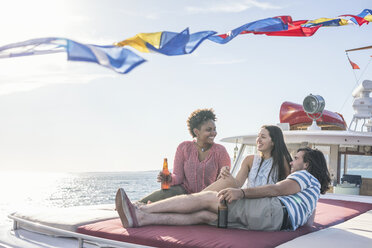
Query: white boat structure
(335, 144)
(343, 217)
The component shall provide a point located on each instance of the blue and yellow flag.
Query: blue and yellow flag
(168, 43)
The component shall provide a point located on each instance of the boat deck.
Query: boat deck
(352, 215)
(329, 212)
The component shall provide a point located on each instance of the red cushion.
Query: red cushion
(329, 212)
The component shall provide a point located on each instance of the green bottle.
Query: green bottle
(222, 215)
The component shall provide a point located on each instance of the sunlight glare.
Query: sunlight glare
(30, 18)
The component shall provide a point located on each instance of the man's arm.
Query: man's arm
(285, 187)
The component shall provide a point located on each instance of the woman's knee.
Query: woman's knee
(204, 195)
(208, 199)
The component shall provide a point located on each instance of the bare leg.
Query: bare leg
(200, 217)
(184, 204)
(178, 210)
(223, 183)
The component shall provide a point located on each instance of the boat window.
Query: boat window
(357, 165)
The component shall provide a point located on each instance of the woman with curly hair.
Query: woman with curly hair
(197, 163)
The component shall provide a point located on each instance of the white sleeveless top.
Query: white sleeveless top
(255, 180)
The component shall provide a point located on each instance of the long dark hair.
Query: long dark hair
(317, 167)
(278, 153)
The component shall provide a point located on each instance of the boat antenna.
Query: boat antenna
(357, 49)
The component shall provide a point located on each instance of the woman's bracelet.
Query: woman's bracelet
(243, 193)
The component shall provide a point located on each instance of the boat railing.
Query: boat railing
(237, 161)
(81, 238)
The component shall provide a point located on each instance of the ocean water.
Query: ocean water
(21, 190)
(362, 172)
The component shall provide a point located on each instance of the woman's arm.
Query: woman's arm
(178, 172)
(224, 161)
(244, 170)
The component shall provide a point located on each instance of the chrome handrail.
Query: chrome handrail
(81, 238)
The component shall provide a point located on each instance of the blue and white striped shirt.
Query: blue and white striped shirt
(301, 205)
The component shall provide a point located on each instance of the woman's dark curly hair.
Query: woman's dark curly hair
(198, 118)
(317, 167)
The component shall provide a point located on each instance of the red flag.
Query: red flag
(358, 19)
(353, 65)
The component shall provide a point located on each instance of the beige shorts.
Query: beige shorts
(255, 214)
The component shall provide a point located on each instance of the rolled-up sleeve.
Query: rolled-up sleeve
(224, 159)
(178, 170)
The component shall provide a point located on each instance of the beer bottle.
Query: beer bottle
(165, 184)
(222, 215)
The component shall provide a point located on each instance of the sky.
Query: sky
(63, 116)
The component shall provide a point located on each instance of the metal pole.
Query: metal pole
(345, 163)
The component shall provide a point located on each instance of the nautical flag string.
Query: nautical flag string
(169, 43)
(119, 59)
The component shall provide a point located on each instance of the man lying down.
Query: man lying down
(285, 205)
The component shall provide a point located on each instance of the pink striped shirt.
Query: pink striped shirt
(194, 175)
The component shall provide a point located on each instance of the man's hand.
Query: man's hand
(230, 194)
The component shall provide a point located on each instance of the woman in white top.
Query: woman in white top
(271, 166)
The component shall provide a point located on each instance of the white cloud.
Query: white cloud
(231, 6)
